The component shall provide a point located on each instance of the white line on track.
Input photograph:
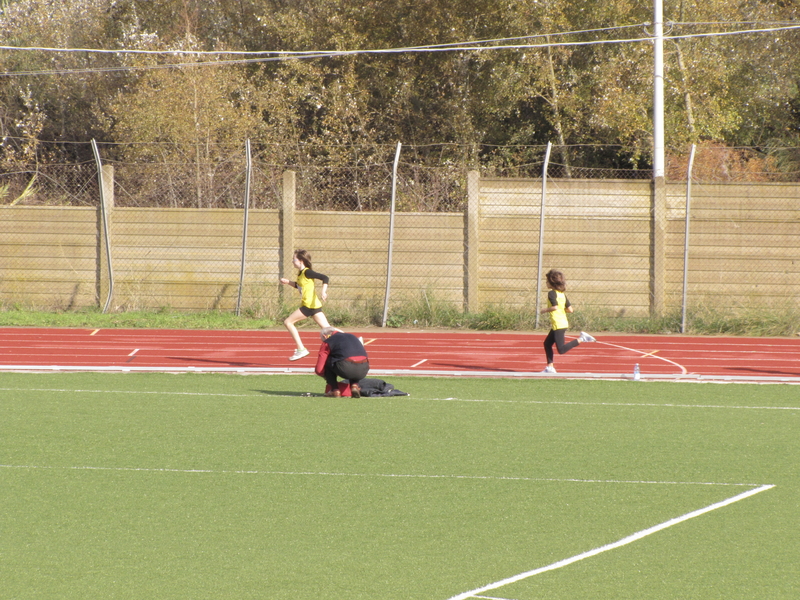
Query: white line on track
(618, 544)
(375, 475)
(419, 363)
(94, 332)
(134, 352)
(674, 377)
(643, 354)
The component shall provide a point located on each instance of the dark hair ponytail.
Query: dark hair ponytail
(304, 257)
(556, 280)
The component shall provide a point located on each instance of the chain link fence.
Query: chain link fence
(50, 185)
(204, 230)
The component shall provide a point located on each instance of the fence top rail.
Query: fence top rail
(641, 182)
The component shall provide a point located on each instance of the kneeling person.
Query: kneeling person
(341, 355)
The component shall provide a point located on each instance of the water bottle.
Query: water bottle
(636, 372)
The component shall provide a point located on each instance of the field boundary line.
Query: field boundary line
(375, 475)
(618, 544)
(633, 404)
(131, 392)
(409, 397)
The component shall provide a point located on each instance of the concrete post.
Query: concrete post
(287, 226)
(658, 249)
(107, 198)
(471, 241)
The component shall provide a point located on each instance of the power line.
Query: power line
(292, 53)
(279, 56)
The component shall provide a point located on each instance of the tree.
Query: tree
(185, 115)
(593, 100)
(65, 91)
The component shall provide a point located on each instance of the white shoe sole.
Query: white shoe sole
(297, 356)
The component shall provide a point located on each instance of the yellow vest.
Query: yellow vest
(307, 291)
(558, 317)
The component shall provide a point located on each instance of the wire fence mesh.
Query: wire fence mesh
(178, 237)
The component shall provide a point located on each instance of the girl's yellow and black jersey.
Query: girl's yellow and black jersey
(305, 285)
(558, 317)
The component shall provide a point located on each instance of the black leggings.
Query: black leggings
(556, 336)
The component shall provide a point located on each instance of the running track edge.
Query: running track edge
(409, 373)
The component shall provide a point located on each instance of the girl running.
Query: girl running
(558, 306)
(310, 305)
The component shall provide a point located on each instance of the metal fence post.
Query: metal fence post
(248, 170)
(391, 237)
(541, 232)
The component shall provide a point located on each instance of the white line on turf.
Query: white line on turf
(631, 404)
(129, 392)
(618, 544)
(408, 398)
(374, 475)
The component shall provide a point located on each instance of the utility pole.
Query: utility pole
(658, 89)
(659, 187)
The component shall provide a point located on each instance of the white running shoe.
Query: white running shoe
(585, 337)
(549, 369)
(298, 354)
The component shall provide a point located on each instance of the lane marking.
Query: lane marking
(134, 352)
(419, 363)
(613, 546)
(728, 346)
(370, 341)
(650, 353)
(681, 367)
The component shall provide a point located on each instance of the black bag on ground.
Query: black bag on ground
(378, 387)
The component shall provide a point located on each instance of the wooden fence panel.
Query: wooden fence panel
(352, 248)
(48, 257)
(190, 259)
(743, 250)
(743, 243)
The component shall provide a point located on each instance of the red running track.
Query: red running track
(399, 352)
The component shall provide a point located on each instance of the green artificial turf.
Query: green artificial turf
(144, 486)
